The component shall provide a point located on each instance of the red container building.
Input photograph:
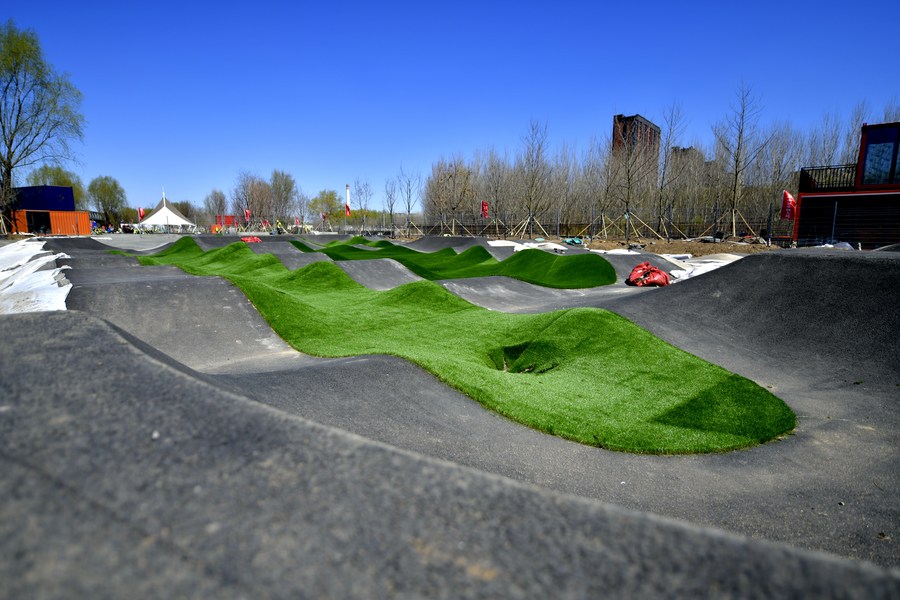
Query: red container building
(856, 203)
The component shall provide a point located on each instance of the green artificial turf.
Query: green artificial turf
(534, 266)
(583, 374)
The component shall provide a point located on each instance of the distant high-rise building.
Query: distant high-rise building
(688, 160)
(635, 133)
(636, 142)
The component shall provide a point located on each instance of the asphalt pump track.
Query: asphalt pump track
(162, 389)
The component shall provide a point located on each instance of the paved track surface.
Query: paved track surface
(136, 479)
(832, 486)
(378, 273)
(512, 295)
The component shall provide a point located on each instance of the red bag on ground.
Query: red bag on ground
(645, 275)
(251, 239)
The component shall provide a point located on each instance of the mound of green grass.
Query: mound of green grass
(583, 374)
(534, 266)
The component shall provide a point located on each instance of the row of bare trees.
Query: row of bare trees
(280, 199)
(401, 195)
(664, 185)
(277, 199)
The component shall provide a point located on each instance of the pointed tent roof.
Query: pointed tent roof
(166, 215)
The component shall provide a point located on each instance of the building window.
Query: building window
(879, 166)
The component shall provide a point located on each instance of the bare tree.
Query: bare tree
(776, 168)
(693, 190)
(436, 197)
(187, 210)
(739, 142)
(824, 141)
(450, 192)
(891, 111)
(215, 205)
(563, 175)
(390, 199)
(461, 190)
(495, 180)
(593, 182)
(252, 193)
(284, 194)
(301, 206)
(633, 170)
(673, 128)
(533, 169)
(362, 191)
(850, 147)
(240, 194)
(410, 187)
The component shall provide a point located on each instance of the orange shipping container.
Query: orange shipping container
(19, 222)
(52, 222)
(66, 222)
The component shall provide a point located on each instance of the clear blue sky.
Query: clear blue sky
(184, 96)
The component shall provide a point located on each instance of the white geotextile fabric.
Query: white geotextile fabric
(518, 246)
(691, 267)
(26, 283)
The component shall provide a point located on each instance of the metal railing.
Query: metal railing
(835, 178)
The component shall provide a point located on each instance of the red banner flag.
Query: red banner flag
(323, 217)
(247, 215)
(788, 206)
(297, 221)
(140, 214)
(347, 209)
(484, 209)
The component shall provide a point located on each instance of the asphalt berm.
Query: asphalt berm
(159, 439)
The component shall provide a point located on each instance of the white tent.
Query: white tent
(167, 218)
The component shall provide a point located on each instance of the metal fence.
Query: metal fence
(827, 220)
(676, 225)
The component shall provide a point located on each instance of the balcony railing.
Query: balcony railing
(837, 178)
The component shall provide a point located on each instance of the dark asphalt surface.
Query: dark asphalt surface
(832, 486)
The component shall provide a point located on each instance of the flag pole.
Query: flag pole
(347, 208)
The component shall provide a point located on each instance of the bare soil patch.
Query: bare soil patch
(692, 247)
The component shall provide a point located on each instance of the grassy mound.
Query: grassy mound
(534, 266)
(583, 374)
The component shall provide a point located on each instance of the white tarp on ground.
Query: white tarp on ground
(689, 266)
(165, 218)
(27, 283)
(518, 246)
(693, 266)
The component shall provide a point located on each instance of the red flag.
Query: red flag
(247, 215)
(140, 214)
(484, 209)
(788, 206)
(347, 209)
(297, 221)
(323, 217)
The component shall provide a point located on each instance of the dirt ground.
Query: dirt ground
(692, 247)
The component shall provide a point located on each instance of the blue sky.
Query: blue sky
(185, 96)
